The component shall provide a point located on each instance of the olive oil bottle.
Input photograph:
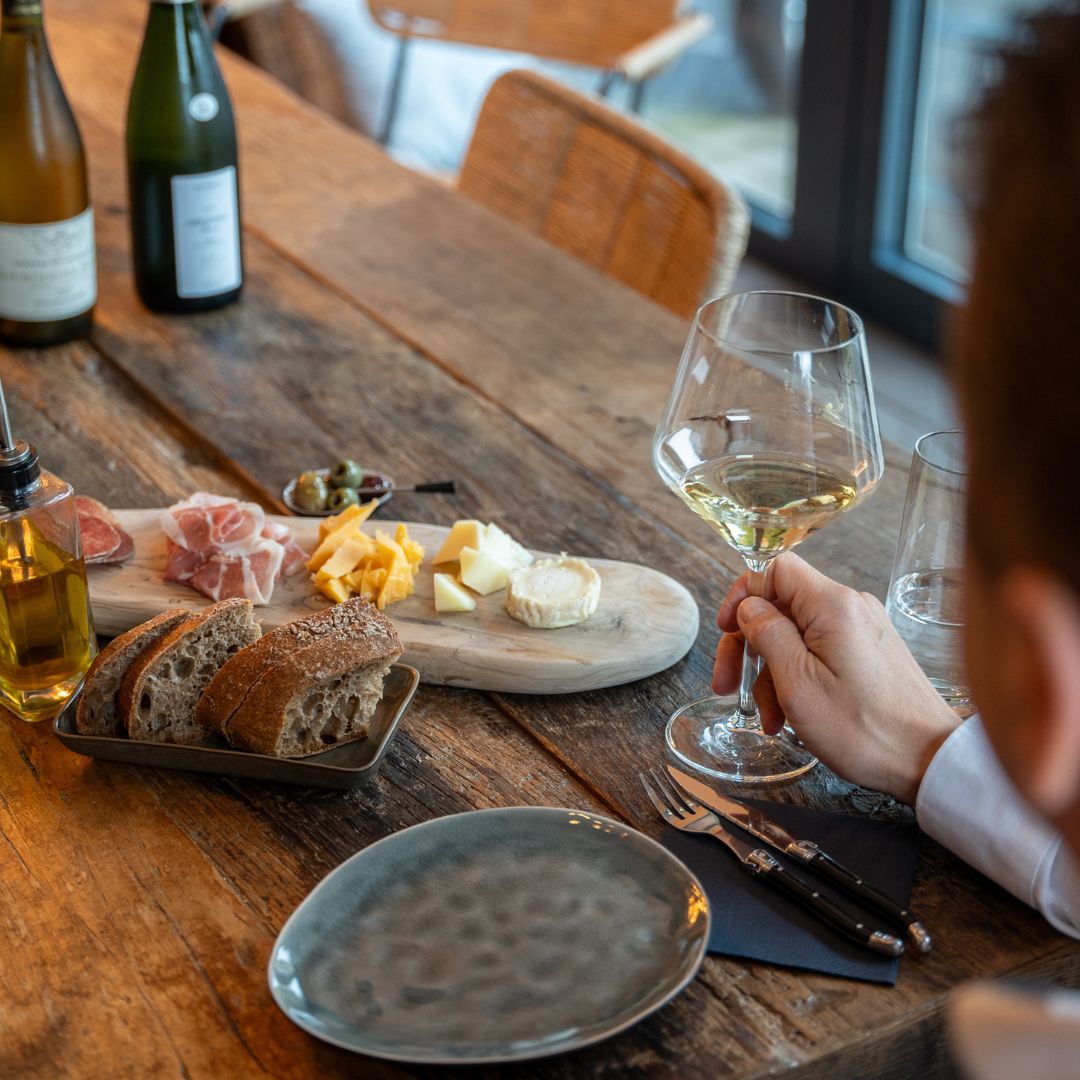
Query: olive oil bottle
(46, 628)
(48, 283)
(182, 162)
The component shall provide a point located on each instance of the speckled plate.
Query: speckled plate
(493, 936)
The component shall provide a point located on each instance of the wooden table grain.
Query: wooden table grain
(387, 316)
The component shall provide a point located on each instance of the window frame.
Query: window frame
(856, 114)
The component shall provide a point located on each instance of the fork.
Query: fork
(684, 813)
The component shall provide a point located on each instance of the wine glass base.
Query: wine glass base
(706, 736)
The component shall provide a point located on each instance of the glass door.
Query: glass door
(733, 101)
(841, 121)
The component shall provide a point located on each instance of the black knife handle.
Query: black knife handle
(445, 486)
(854, 885)
(762, 863)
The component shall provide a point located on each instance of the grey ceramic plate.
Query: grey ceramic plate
(493, 936)
(341, 767)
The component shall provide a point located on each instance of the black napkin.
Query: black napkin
(754, 920)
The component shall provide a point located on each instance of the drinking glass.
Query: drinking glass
(926, 593)
(769, 433)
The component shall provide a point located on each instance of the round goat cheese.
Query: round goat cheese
(553, 592)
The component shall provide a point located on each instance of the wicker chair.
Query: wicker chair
(602, 186)
(626, 39)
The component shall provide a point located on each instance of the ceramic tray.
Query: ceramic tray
(342, 767)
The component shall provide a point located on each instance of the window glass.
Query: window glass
(959, 42)
(731, 101)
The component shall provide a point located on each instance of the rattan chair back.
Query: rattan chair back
(607, 189)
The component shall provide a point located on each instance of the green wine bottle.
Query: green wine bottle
(181, 157)
(48, 282)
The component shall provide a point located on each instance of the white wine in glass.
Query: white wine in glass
(769, 433)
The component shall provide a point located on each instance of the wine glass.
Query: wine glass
(769, 433)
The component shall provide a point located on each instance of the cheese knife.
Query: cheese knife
(806, 851)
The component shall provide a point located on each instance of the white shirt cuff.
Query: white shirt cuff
(968, 804)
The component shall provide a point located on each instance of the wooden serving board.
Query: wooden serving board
(644, 623)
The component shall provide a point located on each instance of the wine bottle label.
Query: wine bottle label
(206, 231)
(48, 271)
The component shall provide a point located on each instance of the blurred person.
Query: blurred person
(1002, 789)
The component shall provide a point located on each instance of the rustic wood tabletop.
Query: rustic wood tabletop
(387, 316)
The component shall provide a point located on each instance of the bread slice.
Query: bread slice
(159, 692)
(321, 695)
(232, 684)
(98, 710)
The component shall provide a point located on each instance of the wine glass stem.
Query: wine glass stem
(746, 715)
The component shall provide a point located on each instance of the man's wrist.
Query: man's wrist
(949, 722)
(921, 752)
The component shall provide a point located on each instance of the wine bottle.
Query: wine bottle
(182, 167)
(48, 282)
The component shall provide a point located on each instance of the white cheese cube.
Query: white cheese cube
(463, 533)
(504, 548)
(450, 596)
(481, 572)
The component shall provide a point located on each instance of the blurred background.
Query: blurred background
(840, 121)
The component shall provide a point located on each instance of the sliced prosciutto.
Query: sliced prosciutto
(295, 556)
(226, 548)
(214, 523)
(103, 541)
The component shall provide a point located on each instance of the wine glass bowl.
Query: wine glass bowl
(769, 433)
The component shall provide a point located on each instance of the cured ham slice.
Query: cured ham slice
(251, 575)
(295, 559)
(181, 564)
(103, 541)
(295, 556)
(226, 548)
(214, 523)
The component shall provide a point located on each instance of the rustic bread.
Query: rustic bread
(321, 695)
(232, 684)
(159, 692)
(98, 711)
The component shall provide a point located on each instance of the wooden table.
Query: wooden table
(387, 316)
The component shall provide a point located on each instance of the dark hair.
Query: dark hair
(1017, 343)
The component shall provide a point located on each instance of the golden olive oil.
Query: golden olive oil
(46, 630)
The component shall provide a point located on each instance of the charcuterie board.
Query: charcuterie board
(644, 623)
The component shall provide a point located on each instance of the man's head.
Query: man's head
(1017, 359)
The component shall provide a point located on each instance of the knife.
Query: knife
(664, 795)
(806, 851)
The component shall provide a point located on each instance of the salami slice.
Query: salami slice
(125, 550)
(92, 508)
(100, 540)
(103, 540)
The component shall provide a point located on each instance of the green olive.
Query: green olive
(310, 492)
(346, 474)
(341, 497)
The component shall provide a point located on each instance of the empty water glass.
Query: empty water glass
(926, 592)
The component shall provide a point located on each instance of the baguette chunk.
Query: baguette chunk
(321, 694)
(98, 711)
(160, 691)
(228, 689)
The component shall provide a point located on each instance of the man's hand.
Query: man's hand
(839, 672)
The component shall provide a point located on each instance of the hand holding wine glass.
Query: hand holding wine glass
(769, 433)
(840, 671)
